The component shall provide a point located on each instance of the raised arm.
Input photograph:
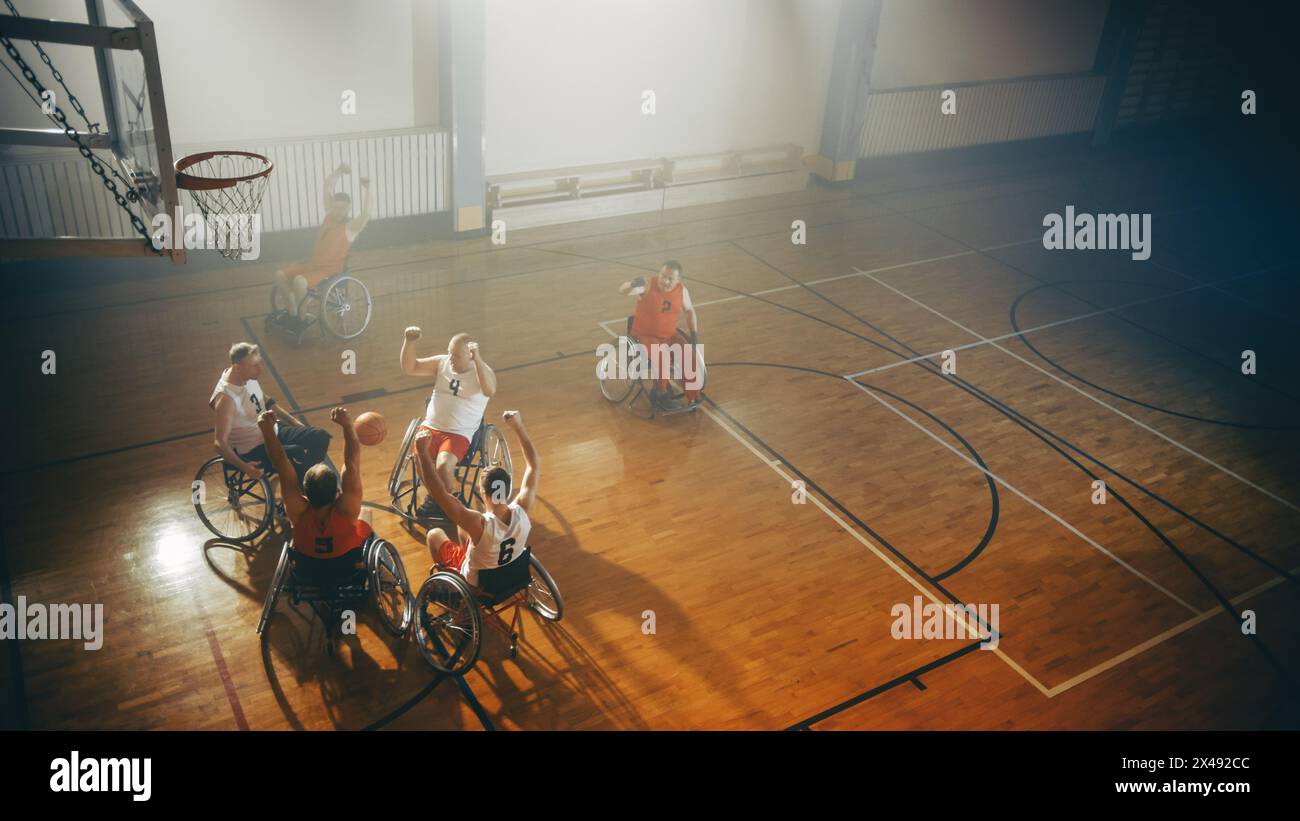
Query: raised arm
(413, 365)
(532, 462)
(635, 287)
(470, 521)
(294, 502)
(487, 378)
(225, 413)
(331, 182)
(362, 219)
(350, 478)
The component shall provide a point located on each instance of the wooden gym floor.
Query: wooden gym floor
(975, 488)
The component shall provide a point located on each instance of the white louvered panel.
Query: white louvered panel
(58, 195)
(910, 121)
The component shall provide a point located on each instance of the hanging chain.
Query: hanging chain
(96, 164)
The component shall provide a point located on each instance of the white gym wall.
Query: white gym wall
(565, 77)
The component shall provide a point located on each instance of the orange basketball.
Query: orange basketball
(370, 428)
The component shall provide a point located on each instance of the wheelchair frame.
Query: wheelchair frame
(237, 486)
(636, 388)
(329, 601)
(488, 448)
(484, 608)
(323, 293)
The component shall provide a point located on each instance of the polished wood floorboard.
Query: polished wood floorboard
(768, 614)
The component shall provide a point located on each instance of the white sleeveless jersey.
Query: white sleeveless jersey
(250, 401)
(457, 402)
(501, 543)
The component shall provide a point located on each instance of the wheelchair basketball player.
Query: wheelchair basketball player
(238, 401)
(333, 242)
(462, 386)
(325, 507)
(485, 541)
(659, 303)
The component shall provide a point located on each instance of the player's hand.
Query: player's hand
(423, 437)
(513, 419)
(252, 471)
(472, 347)
(413, 333)
(266, 421)
(341, 417)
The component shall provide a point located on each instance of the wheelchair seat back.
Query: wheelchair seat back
(331, 577)
(500, 583)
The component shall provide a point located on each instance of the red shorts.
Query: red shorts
(450, 442)
(451, 554)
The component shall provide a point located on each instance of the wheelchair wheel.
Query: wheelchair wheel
(230, 504)
(392, 590)
(345, 308)
(612, 388)
(277, 584)
(543, 596)
(403, 459)
(496, 450)
(448, 624)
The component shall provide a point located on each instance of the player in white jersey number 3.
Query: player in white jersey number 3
(485, 540)
(463, 383)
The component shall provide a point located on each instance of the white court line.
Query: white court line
(913, 360)
(1160, 639)
(1041, 507)
(776, 465)
(1084, 393)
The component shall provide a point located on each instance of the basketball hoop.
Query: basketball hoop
(227, 186)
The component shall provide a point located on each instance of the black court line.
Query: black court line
(379, 392)
(912, 676)
(1024, 339)
(406, 706)
(994, 499)
(474, 705)
(1024, 422)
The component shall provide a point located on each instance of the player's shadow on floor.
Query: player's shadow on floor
(355, 689)
(576, 691)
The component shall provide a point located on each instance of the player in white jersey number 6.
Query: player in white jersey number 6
(485, 540)
(463, 383)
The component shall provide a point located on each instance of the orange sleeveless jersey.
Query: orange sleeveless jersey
(337, 537)
(656, 311)
(327, 255)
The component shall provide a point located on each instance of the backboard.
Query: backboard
(131, 81)
(134, 131)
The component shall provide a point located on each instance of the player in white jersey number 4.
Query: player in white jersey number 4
(485, 540)
(462, 385)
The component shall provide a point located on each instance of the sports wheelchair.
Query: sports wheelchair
(340, 305)
(672, 401)
(235, 507)
(331, 586)
(449, 614)
(487, 449)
